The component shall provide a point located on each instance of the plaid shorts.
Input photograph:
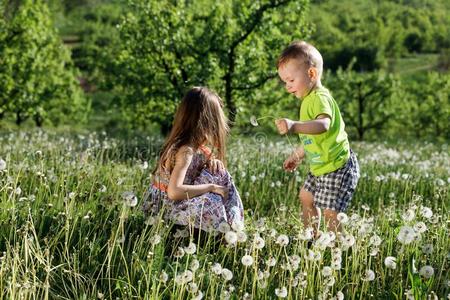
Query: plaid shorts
(334, 190)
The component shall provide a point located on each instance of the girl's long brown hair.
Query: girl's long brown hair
(199, 119)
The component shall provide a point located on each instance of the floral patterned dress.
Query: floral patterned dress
(204, 212)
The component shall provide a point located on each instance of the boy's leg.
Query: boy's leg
(310, 213)
(331, 220)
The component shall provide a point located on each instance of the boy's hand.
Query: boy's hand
(216, 166)
(291, 163)
(283, 125)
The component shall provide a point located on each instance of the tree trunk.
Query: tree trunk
(360, 112)
(38, 120)
(19, 119)
(232, 110)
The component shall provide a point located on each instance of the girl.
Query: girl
(190, 184)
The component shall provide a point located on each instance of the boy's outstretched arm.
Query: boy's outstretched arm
(320, 125)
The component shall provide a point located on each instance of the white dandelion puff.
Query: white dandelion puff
(406, 235)
(259, 242)
(369, 275)
(237, 226)
(184, 277)
(426, 271)
(179, 253)
(409, 215)
(427, 249)
(329, 281)
(247, 260)
(216, 269)
(348, 240)
(307, 234)
(254, 121)
(271, 261)
(426, 212)
(191, 248)
(390, 262)
(130, 199)
(199, 296)
(231, 237)
(102, 189)
(2, 164)
(327, 271)
(339, 296)
(227, 274)
(241, 236)
(224, 227)
(420, 227)
(281, 292)
(375, 240)
(194, 265)
(192, 287)
(282, 240)
(156, 239)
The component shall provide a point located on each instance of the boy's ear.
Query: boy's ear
(312, 73)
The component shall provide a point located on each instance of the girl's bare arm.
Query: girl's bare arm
(177, 190)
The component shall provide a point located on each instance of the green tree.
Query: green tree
(367, 100)
(230, 46)
(37, 78)
(430, 96)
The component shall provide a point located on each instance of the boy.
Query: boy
(334, 170)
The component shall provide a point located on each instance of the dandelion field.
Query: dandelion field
(71, 226)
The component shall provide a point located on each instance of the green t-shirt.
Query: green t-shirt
(328, 151)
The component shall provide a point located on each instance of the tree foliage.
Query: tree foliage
(37, 78)
(230, 46)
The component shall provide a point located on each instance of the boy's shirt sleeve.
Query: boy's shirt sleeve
(320, 105)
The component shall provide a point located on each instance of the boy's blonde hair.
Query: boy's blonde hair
(304, 52)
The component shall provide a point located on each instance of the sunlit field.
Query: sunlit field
(71, 225)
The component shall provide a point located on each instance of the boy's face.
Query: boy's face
(297, 77)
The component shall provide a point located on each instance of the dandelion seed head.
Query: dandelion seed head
(426, 212)
(226, 274)
(192, 287)
(190, 249)
(339, 296)
(427, 249)
(375, 240)
(406, 235)
(130, 199)
(327, 271)
(259, 242)
(426, 271)
(194, 265)
(254, 121)
(231, 237)
(281, 292)
(2, 165)
(179, 253)
(216, 268)
(224, 227)
(390, 262)
(247, 260)
(241, 236)
(329, 281)
(271, 261)
(156, 239)
(420, 227)
(282, 240)
(369, 275)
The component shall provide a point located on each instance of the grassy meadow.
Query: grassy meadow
(71, 225)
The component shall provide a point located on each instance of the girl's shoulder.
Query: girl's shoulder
(185, 150)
